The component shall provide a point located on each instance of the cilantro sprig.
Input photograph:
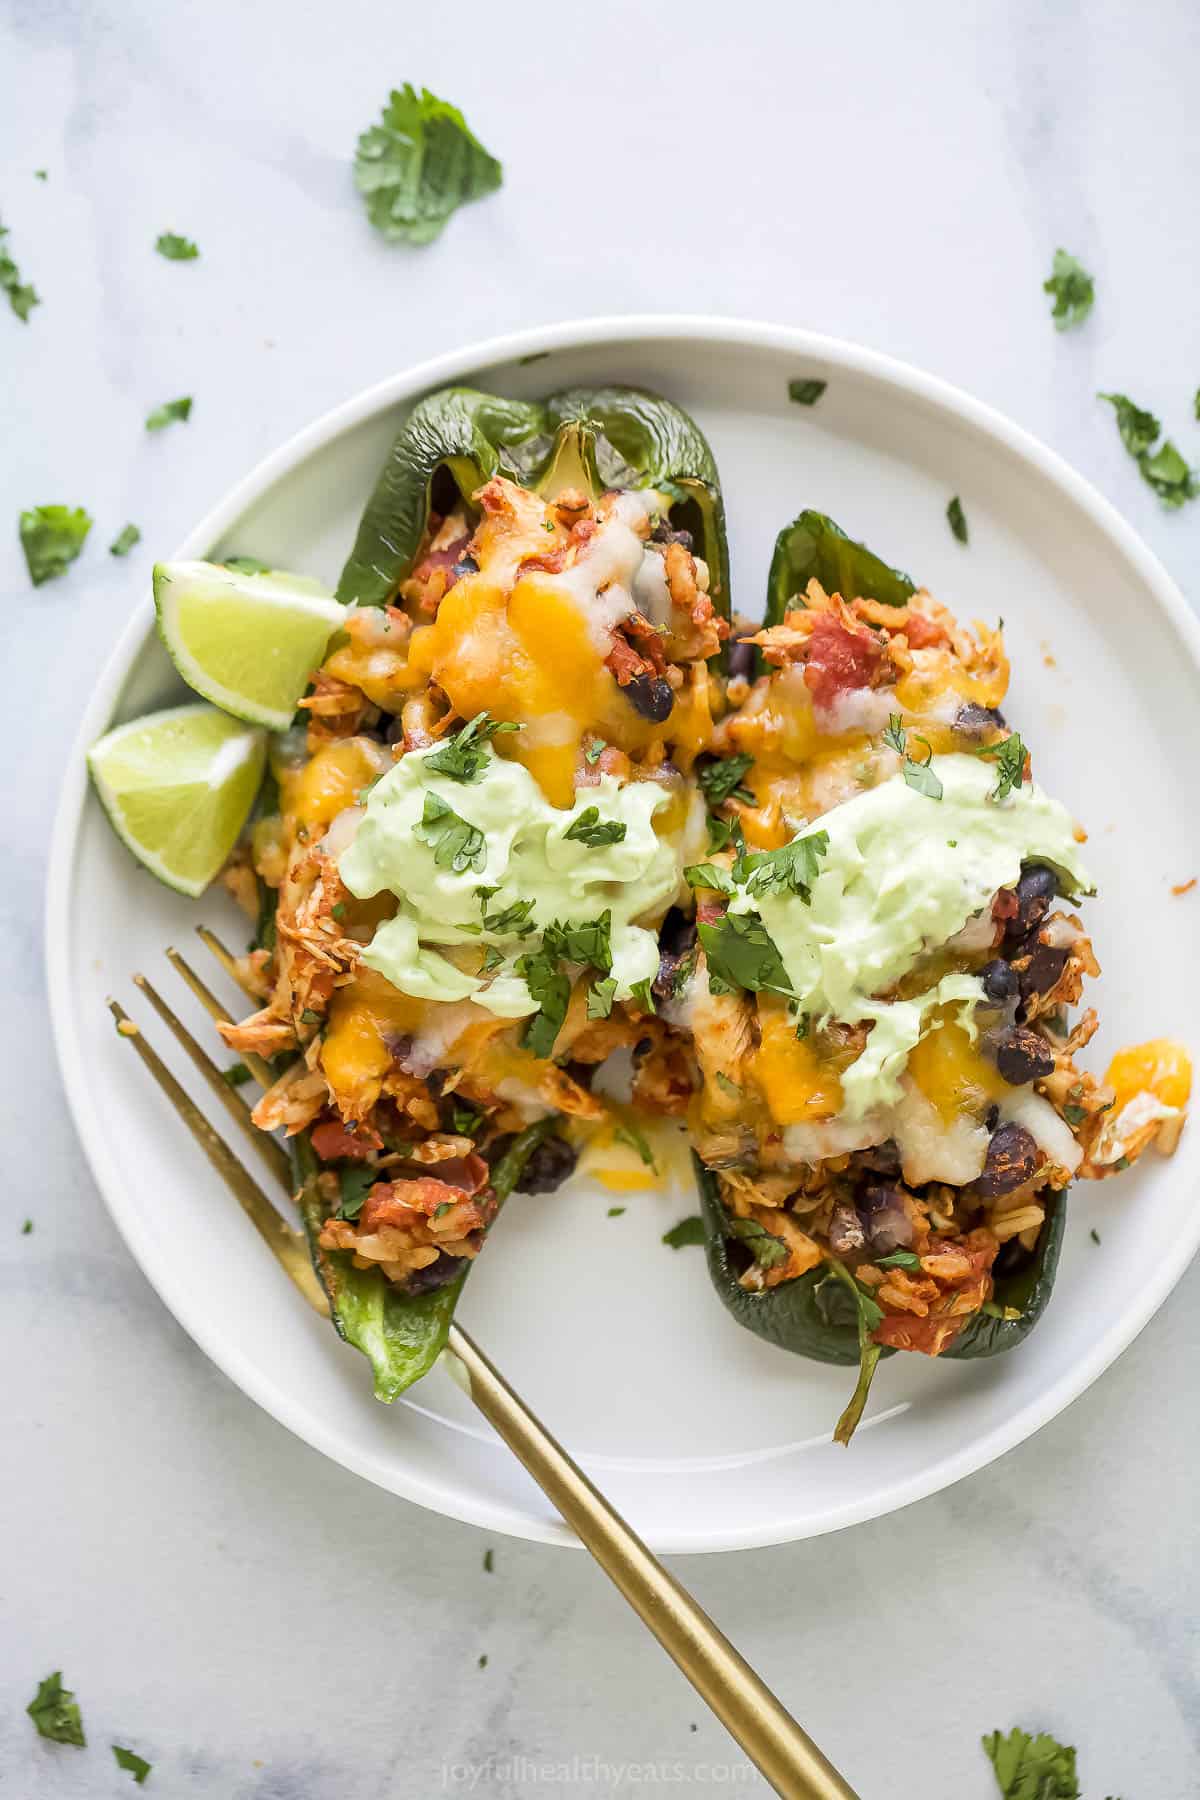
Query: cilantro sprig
(419, 165)
(456, 844)
(721, 781)
(176, 248)
(1009, 758)
(22, 296)
(171, 412)
(1164, 469)
(1074, 291)
(590, 829)
(919, 776)
(1032, 1768)
(52, 537)
(464, 756)
(55, 1712)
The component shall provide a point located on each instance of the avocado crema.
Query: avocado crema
(902, 874)
(519, 872)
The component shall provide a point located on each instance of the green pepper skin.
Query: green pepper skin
(812, 1317)
(401, 1335)
(812, 545)
(620, 437)
(472, 436)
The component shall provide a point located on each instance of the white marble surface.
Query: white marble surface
(255, 1621)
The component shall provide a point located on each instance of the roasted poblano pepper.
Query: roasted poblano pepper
(401, 1335)
(812, 545)
(457, 439)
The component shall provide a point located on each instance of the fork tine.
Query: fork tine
(272, 1152)
(257, 1065)
(225, 957)
(287, 1245)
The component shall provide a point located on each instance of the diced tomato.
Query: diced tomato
(467, 1173)
(922, 631)
(839, 659)
(333, 1143)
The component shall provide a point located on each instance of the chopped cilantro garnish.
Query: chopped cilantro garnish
(589, 942)
(26, 1228)
(126, 538)
(456, 844)
(21, 296)
(176, 248)
(1074, 291)
(595, 751)
(168, 413)
(629, 1135)
(1169, 475)
(510, 920)
(728, 1086)
(1137, 427)
(918, 775)
(722, 781)
(355, 1181)
(709, 875)
(1009, 757)
(419, 165)
(643, 993)
(741, 954)
(1094, 1235)
(236, 1075)
(136, 1765)
(489, 1561)
(614, 1212)
(590, 829)
(687, 1232)
(1032, 1768)
(466, 1120)
(894, 735)
(54, 1711)
(600, 997)
(463, 756)
(52, 537)
(899, 1259)
(492, 958)
(768, 1250)
(1074, 1115)
(806, 393)
(792, 868)
(957, 519)
(722, 832)
(551, 991)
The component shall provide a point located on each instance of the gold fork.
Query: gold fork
(766, 1731)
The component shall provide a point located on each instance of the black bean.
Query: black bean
(663, 533)
(886, 1219)
(466, 565)
(999, 980)
(651, 696)
(1035, 890)
(880, 1159)
(1046, 964)
(972, 720)
(741, 661)
(1022, 1055)
(434, 1275)
(548, 1167)
(1012, 1160)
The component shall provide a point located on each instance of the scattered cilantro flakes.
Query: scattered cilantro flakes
(899, 1259)
(1074, 1115)
(21, 296)
(643, 993)
(806, 393)
(1169, 475)
(721, 781)
(1032, 1768)
(768, 1250)
(918, 775)
(457, 845)
(123, 543)
(137, 1765)
(355, 1181)
(55, 1712)
(957, 519)
(40, 175)
(1074, 291)
(511, 920)
(1009, 755)
(169, 413)
(1094, 1235)
(463, 757)
(597, 747)
(614, 1212)
(26, 1228)
(419, 165)
(483, 1661)
(590, 829)
(52, 537)
(600, 997)
(236, 1075)
(1137, 427)
(176, 248)
(466, 1120)
(1196, 404)
(489, 1561)
(551, 992)
(492, 959)
(686, 1233)
(634, 1139)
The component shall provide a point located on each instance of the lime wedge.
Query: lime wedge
(246, 642)
(178, 787)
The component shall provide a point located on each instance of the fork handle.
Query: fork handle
(747, 1708)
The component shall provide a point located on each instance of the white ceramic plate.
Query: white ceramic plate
(704, 1437)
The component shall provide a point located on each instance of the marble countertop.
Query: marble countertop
(258, 1623)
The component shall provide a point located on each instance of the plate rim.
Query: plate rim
(572, 334)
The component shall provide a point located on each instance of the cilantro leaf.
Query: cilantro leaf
(355, 1181)
(590, 829)
(463, 756)
(123, 543)
(768, 1250)
(806, 393)
(793, 867)
(492, 958)
(456, 844)
(52, 537)
(741, 954)
(614, 1212)
(510, 920)
(721, 781)
(1138, 428)
(895, 736)
(168, 413)
(21, 296)
(551, 991)
(597, 747)
(137, 1765)
(589, 942)
(1032, 1768)
(176, 248)
(957, 519)
(236, 1075)
(643, 993)
(709, 875)
(419, 165)
(899, 1259)
(1074, 291)
(629, 1135)
(687, 1232)
(728, 1086)
(922, 779)
(600, 997)
(1009, 757)
(1169, 475)
(723, 832)
(54, 1711)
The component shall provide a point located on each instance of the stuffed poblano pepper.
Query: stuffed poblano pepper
(889, 1109)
